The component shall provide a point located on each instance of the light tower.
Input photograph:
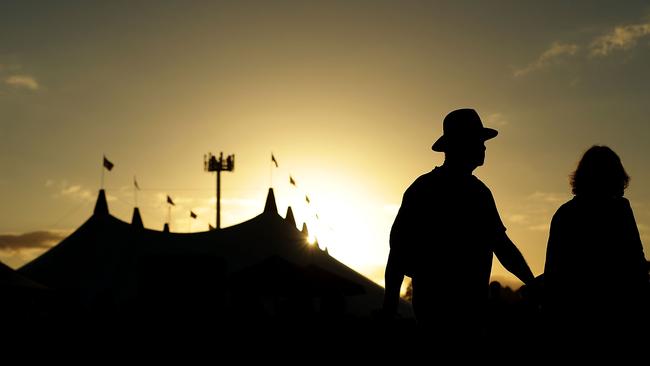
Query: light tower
(212, 164)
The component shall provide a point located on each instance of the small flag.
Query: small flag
(274, 161)
(169, 200)
(107, 164)
(135, 183)
(293, 182)
(210, 227)
(307, 199)
(192, 215)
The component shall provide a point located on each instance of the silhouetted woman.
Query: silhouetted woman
(595, 277)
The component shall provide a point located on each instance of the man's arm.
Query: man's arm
(401, 236)
(394, 276)
(512, 259)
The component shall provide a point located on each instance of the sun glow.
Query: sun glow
(311, 240)
(341, 222)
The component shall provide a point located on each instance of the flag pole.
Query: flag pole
(135, 192)
(273, 162)
(102, 183)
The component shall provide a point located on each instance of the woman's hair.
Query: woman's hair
(600, 172)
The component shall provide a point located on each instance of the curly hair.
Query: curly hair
(599, 172)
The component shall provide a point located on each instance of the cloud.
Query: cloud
(620, 38)
(534, 213)
(551, 55)
(540, 227)
(22, 82)
(518, 218)
(75, 191)
(496, 120)
(548, 197)
(70, 190)
(30, 240)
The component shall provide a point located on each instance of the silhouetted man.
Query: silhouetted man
(444, 235)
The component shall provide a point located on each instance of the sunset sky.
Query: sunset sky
(348, 96)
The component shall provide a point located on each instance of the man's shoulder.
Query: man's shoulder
(479, 182)
(437, 177)
(479, 187)
(425, 180)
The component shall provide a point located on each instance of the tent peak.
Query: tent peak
(289, 218)
(136, 220)
(270, 206)
(101, 206)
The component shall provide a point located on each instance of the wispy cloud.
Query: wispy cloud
(30, 240)
(620, 38)
(22, 82)
(70, 190)
(548, 197)
(534, 213)
(518, 219)
(74, 191)
(553, 54)
(496, 120)
(540, 227)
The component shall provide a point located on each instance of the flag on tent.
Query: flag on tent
(274, 160)
(192, 215)
(293, 182)
(135, 183)
(107, 164)
(169, 200)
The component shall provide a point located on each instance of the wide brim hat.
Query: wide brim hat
(461, 126)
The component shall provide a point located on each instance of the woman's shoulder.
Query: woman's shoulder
(567, 210)
(570, 205)
(624, 202)
(590, 204)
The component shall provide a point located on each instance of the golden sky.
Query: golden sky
(348, 95)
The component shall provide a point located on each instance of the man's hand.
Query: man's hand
(532, 292)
